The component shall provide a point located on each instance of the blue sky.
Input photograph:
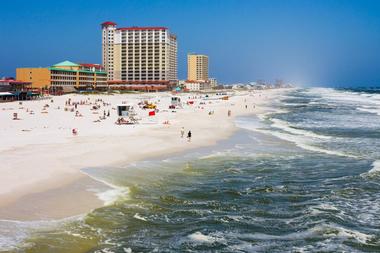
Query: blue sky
(311, 42)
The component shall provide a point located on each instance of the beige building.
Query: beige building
(197, 67)
(197, 85)
(139, 55)
(65, 74)
(213, 82)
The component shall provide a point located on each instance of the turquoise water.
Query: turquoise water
(301, 178)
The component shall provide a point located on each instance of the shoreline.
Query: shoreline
(51, 196)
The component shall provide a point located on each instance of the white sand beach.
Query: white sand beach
(41, 159)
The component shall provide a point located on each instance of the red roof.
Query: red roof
(91, 65)
(12, 81)
(135, 28)
(107, 23)
(195, 81)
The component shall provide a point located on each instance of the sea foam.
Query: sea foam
(323, 231)
(375, 167)
(199, 238)
(14, 232)
(369, 110)
(303, 143)
(283, 125)
(139, 217)
(299, 137)
(111, 195)
(375, 170)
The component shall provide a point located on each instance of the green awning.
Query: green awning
(83, 71)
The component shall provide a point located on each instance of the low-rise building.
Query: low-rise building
(197, 85)
(10, 84)
(213, 82)
(11, 89)
(65, 75)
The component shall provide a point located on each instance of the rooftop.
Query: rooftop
(12, 81)
(97, 71)
(107, 23)
(196, 81)
(195, 54)
(91, 65)
(66, 64)
(134, 28)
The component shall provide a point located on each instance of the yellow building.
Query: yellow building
(197, 67)
(39, 77)
(65, 75)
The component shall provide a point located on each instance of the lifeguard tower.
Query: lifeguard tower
(125, 110)
(176, 102)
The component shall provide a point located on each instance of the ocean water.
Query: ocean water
(302, 177)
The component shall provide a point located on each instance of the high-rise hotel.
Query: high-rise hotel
(197, 67)
(139, 55)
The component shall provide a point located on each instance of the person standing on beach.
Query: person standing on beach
(182, 132)
(189, 136)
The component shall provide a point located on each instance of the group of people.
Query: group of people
(188, 134)
(99, 100)
(69, 102)
(78, 114)
(122, 121)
